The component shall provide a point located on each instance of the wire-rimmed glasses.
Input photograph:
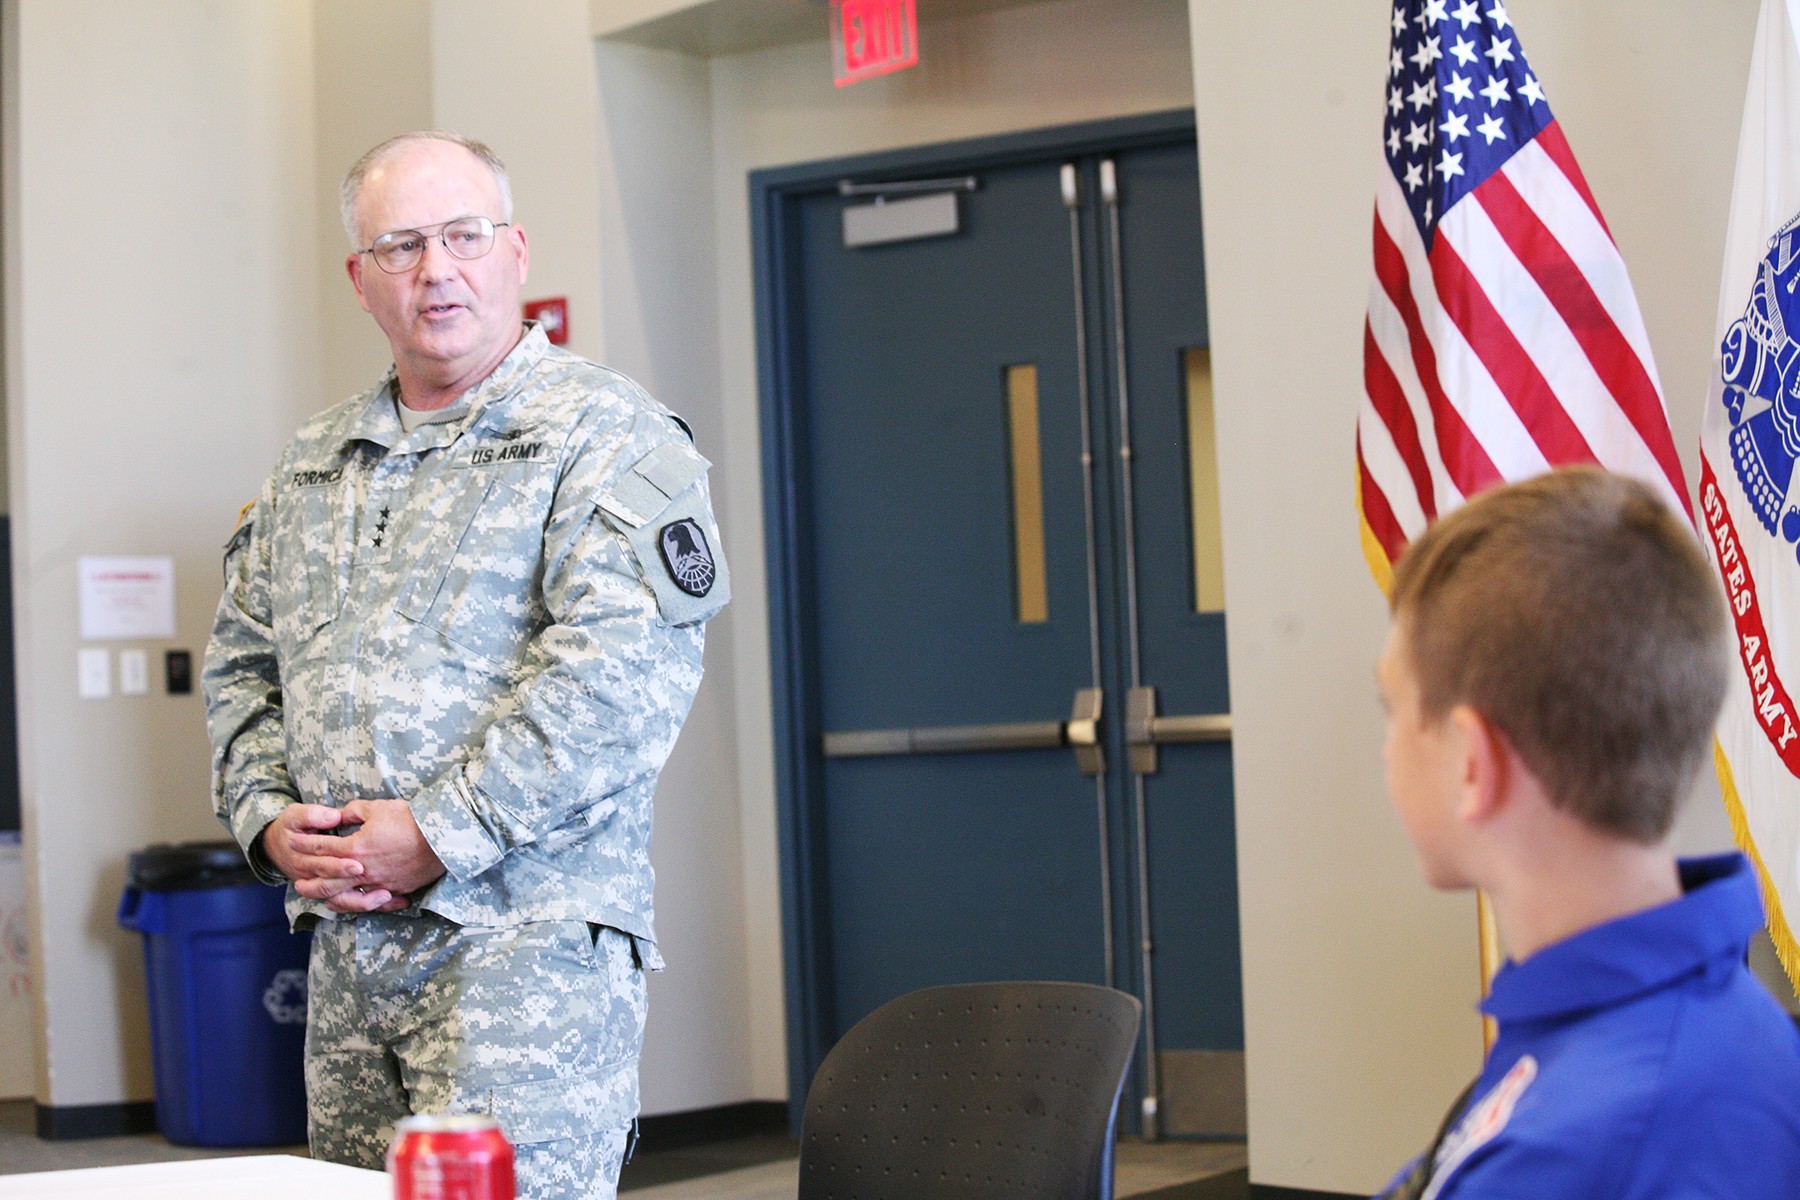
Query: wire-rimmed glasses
(465, 237)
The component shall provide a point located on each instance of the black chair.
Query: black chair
(979, 1091)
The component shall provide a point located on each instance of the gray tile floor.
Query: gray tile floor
(752, 1168)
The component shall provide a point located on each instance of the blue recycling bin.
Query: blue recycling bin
(227, 990)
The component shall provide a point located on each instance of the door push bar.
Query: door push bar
(1145, 731)
(1081, 733)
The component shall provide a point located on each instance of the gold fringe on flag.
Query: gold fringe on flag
(1786, 949)
(1379, 566)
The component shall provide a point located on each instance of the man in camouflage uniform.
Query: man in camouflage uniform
(461, 628)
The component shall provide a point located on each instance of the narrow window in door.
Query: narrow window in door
(1033, 592)
(1203, 482)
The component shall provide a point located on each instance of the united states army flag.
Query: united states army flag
(1749, 488)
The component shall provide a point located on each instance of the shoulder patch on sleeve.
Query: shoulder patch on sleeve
(1485, 1120)
(240, 537)
(687, 555)
(661, 507)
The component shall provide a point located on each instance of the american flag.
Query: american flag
(1503, 338)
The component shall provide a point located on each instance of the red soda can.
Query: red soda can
(450, 1156)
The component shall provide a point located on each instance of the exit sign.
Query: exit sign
(872, 37)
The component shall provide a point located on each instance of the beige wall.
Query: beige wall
(372, 79)
(161, 314)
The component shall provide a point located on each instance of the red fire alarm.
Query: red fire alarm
(553, 315)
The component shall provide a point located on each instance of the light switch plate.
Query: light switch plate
(134, 673)
(94, 673)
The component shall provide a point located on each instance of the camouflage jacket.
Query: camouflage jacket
(498, 619)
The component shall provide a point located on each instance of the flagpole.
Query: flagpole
(1488, 934)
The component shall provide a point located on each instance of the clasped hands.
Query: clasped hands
(375, 868)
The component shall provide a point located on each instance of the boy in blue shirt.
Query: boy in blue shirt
(1556, 661)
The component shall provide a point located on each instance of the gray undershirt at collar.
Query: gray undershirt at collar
(412, 418)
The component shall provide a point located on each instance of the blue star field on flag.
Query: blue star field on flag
(1461, 99)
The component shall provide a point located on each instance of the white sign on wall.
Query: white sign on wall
(127, 597)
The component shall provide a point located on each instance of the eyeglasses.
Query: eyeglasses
(465, 237)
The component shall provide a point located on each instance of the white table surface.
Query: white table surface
(257, 1177)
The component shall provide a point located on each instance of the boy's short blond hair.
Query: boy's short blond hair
(1577, 614)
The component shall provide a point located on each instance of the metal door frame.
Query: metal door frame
(793, 655)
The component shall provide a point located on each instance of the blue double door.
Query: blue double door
(1011, 713)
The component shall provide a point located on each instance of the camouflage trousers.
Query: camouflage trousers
(537, 1025)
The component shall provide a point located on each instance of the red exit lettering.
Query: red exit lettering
(872, 37)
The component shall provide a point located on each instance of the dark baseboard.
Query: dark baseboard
(672, 1131)
(70, 1121)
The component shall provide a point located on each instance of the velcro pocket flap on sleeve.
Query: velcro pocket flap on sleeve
(549, 1110)
(644, 491)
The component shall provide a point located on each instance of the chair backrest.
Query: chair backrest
(980, 1091)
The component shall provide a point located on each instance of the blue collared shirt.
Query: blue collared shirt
(1637, 1059)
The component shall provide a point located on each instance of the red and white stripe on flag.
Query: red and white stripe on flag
(1749, 503)
(1503, 337)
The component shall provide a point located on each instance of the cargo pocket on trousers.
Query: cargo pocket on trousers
(549, 1110)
